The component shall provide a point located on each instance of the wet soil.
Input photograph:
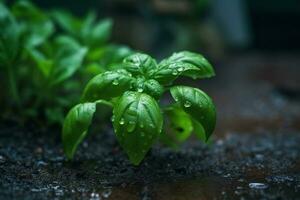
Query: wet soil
(239, 166)
(255, 152)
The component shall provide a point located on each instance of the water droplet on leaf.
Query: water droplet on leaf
(131, 126)
(122, 121)
(115, 82)
(187, 104)
(174, 72)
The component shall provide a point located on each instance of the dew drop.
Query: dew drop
(131, 126)
(140, 89)
(187, 104)
(115, 82)
(258, 186)
(174, 72)
(122, 121)
(112, 118)
(180, 69)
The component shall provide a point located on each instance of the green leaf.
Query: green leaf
(37, 27)
(183, 64)
(67, 63)
(153, 88)
(9, 37)
(43, 64)
(197, 104)
(137, 122)
(179, 124)
(66, 22)
(140, 64)
(76, 125)
(101, 32)
(107, 85)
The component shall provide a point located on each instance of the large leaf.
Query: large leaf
(107, 85)
(76, 126)
(137, 122)
(140, 64)
(197, 104)
(183, 64)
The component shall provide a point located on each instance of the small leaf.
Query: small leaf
(153, 88)
(140, 64)
(179, 124)
(183, 64)
(76, 126)
(66, 22)
(43, 64)
(101, 32)
(197, 104)
(137, 123)
(107, 85)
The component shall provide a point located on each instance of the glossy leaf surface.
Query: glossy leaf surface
(107, 85)
(140, 64)
(137, 122)
(184, 63)
(197, 104)
(76, 126)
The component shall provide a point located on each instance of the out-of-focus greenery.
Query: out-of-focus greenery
(46, 58)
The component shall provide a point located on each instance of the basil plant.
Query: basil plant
(133, 91)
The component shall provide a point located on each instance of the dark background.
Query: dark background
(214, 27)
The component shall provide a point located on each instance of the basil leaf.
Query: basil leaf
(197, 104)
(76, 125)
(153, 88)
(140, 64)
(101, 32)
(179, 124)
(137, 122)
(37, 27)
(66, 22)
(184, 63)
(67, 63)
(107, 85)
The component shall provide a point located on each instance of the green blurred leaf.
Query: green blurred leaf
(137, 123)
(9, 37)
(197, 104)
(107, 85)
(36, 25)
(67, 63)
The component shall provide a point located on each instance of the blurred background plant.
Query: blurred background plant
(253, 45)
(47, 56)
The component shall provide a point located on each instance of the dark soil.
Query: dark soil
(255, 153)
(264, 166)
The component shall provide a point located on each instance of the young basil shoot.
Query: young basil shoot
(134, 92)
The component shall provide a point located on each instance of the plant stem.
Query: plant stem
(13, 87)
